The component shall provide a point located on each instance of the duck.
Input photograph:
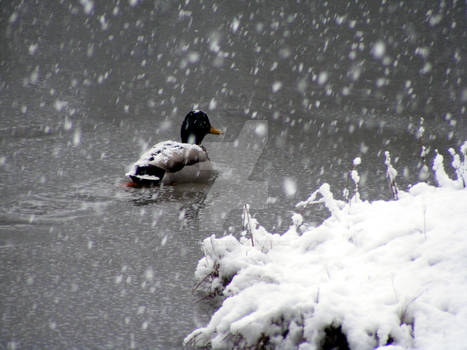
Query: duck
(171, 162)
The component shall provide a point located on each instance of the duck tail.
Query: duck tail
(131, 184)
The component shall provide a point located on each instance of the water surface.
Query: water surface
(85, 87)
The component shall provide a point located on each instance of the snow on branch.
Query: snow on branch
(391, 174)
(459, 165)
(364, 278)
(327, 199)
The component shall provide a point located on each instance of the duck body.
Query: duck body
(171, 162)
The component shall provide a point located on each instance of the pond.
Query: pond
(299, 88)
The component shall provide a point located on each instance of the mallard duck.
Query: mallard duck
(171, 161)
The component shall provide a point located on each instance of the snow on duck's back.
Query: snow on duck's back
(174, 162)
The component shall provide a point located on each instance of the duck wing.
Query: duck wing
(168, 156)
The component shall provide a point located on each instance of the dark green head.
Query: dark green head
(195, 126)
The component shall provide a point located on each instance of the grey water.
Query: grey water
(85, 87)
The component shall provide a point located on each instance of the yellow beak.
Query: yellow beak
(215, 131)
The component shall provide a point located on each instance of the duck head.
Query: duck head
(196, 126)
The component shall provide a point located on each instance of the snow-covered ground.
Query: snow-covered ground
(385, 274)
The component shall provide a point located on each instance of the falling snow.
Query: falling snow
(235, 24)
(290, 186)
(276, 86)
(322, 78)
(345, 100)
(379, 49)
(60, 105)
(88, 6)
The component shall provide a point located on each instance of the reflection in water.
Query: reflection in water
(189, 198)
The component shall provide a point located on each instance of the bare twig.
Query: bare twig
(247, 223)
(196, 286)
(391, 174)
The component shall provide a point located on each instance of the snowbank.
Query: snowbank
(385, 274)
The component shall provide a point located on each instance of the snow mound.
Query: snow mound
(385, 275)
